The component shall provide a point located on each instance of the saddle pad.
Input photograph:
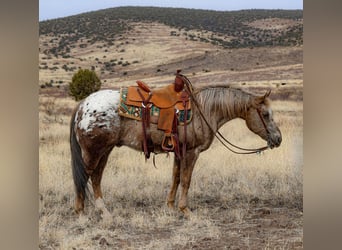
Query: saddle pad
(134, 112)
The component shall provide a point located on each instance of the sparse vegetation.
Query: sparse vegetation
(106, 25)
(233, 197)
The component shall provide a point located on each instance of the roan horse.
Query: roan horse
(96, 128)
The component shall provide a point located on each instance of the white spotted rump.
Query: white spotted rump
(99, 109)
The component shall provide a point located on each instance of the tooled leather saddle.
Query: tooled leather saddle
(169, 100)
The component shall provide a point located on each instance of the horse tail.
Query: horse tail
(78, 167)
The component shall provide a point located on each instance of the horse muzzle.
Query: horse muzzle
(274, 141)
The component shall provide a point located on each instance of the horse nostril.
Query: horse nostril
(279, 140)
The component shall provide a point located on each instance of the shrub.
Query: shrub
(84, 82)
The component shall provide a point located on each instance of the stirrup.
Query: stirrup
(168, 143)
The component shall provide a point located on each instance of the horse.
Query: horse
(96, 128)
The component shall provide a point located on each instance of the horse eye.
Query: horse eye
(266, 115)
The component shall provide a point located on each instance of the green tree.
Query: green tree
(84, 82)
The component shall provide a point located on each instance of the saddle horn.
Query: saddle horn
(179, 83)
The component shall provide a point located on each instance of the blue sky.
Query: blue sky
(49, 9)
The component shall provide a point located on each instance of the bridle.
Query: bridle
(221, 138)
(218, 134)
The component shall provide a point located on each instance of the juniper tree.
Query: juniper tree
(84, 82)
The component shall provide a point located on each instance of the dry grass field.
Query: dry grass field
(238, 202)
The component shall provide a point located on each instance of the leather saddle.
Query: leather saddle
(162, 98)
(168, 99)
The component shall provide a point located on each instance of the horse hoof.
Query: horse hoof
(186, 212)
(82, 218)
(106, 219)
(171, 205)
(105, 215)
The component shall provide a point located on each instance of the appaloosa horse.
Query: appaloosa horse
(96, 128)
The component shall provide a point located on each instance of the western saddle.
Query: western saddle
(169, 100)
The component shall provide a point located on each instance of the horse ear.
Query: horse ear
(261, 99)
(267, 93)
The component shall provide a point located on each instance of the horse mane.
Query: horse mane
(225, 99)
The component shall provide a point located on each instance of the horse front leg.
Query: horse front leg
(187, 166)
(175, 182)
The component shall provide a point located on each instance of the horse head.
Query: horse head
(259, 119)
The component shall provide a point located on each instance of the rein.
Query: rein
(217, 134)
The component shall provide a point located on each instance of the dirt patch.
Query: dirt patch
(214, 225)
(264, 227)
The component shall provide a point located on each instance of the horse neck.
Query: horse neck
(222, 104)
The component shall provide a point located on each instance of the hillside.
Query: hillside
(236, 28)
(129, 43)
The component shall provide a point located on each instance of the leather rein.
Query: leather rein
(217, 134)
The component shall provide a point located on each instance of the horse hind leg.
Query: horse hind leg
(96, 178)
(81, 189)
(80, 177)
(85, 165)
(80, 180)
(79, 202)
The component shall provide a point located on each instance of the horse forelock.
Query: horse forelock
(259, 101)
